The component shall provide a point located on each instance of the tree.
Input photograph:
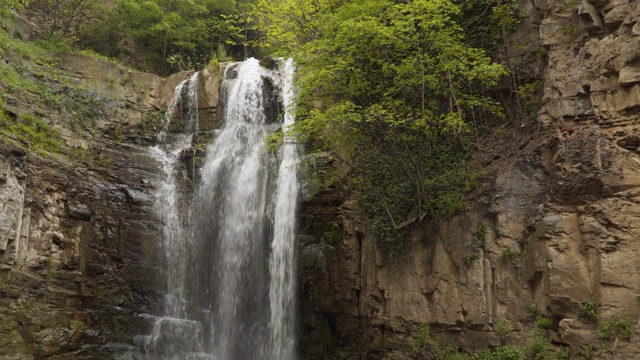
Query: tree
(170, 34)
(65, 16)
(391, 89)
(7, 5)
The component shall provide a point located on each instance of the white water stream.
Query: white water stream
(282, 264)
(230, 256)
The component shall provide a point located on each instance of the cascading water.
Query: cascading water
(173, 334)
(232, 203)
(282, 264)
(231, 273)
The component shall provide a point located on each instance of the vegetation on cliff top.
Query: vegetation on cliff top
(161, 36)
(395, 91)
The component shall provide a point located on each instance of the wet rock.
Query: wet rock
(273, 107)
(78, 210)
(269, 63)
(208, 98)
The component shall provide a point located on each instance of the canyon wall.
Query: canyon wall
(553, 231)
(79, 246)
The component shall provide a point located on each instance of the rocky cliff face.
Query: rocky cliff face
(552, 234)
(78, 234)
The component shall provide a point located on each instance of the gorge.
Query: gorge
(547, 244)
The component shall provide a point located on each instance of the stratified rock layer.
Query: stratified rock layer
(556, 229)
(79, 240)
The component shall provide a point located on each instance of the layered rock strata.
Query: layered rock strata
(79, 239)
(554, 232)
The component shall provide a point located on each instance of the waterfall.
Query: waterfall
(282, 264)
(173, 334)
(233, 200)
(230, 263)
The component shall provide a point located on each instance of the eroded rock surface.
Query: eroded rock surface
(79, 239)
(559, 221)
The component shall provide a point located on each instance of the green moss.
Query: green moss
(34, 133)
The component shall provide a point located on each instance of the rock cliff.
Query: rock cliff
(552, 235)
(78, 235)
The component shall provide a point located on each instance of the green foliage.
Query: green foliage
(470, 258)
(55, 43)
(506, 14)
(479, 235)
(532, 311)
(274, 140)
(503, 326)
(586, 352)
(623, 326)
(64, 17)
(587, 312)
(35, 133)
(290, 24)
(500, 353)
(529, 96)
(29, 74)
(562, 353)
(167, 36)
(391, 89)
(542, 325)
(605, 332)
(507, 352)
(424, 336)
(486, 22)
(511, 256)
(538, 347)
(16, 5)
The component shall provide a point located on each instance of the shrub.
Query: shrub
(538, 347)
(532, 311)
(605, 332)
(562, 353)
(586, 352)
(503, 326)
(479, 235)
(512, 256)
(542, 325)
(424, 336)
(508, 352)
(587, 312)
(623, 326)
